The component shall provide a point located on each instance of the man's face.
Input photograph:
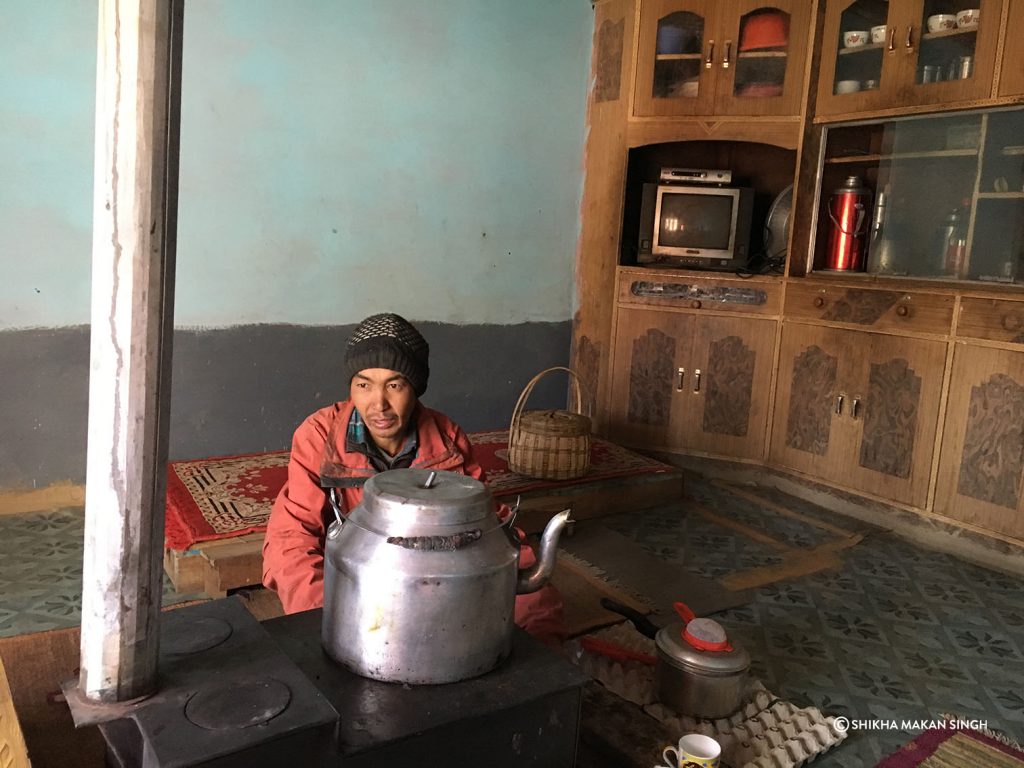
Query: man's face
(385, 400)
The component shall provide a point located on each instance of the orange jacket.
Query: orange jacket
(293, 551)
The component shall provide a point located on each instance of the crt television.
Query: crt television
(696, 226)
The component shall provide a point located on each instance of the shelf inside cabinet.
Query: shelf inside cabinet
(762, 55)
(677, 56)
(1001, 195)
(861, 49)
(874, 158)
(948, 33)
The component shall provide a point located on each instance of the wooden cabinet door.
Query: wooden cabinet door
(809, 433)
(920, 49)
(893, 405)
(1011, 78)
(646, 393)
(861, 77)
(761, 68)
(981, 471)
(726, 387)
(677, 55)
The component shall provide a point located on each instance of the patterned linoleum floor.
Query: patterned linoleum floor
(41, 572)
(897, 633)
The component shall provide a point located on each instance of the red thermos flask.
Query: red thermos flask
(848, 208)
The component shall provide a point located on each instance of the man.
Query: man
(381, 426)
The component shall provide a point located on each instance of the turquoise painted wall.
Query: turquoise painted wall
(337, 159)
(47, 100)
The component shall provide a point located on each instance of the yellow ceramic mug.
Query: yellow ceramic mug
(694, 751)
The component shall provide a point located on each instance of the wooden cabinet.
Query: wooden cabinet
(721, 57)
(688, 382)
(878, 55)
(1011, 77)
(981, 471)
(858, 409)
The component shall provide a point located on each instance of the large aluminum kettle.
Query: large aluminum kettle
(420, 579)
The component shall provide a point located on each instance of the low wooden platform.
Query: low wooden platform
(215, 567)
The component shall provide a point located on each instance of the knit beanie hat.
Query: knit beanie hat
(391, 342)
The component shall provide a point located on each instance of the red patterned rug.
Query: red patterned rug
(226, 496)
(956, 747)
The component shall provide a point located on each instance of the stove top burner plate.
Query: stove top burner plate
(234, 704)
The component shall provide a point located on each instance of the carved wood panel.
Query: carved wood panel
(587, 364)
(890, 418)
(650, 378)
(993, 456)
(608, 67)
(861, 307)
(810, 407)
(730, 378)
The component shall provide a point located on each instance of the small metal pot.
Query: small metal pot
(696, 682)
(692, 680)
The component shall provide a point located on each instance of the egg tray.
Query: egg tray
(766, 732)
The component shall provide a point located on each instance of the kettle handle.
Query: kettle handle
(861, 214)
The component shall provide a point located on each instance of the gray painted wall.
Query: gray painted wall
(244, 389)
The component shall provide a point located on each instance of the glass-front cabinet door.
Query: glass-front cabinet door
(883, 54)
(761, 66)
(938, 197)
(859, 61)
(675, 73)
(948, 49)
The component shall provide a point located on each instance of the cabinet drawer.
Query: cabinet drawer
(760, 298)
(991, 319)
(870, 308)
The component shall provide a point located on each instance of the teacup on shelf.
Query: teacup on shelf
(847, 86)
(878, 34)
(968, 19)
(941, 22)
(856, 38)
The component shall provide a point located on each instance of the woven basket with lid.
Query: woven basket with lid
(550, 444)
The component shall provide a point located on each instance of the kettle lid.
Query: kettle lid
(430, 498)
(852, 185)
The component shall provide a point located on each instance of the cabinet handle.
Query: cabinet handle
(839, 405)
(728, 54)
(892, 39)
(680, 376)
(1011, 322)
(902, 310)
(819, 301)
(695, 304)
(711, 54)
(910, 38)
(854, 407)
(696, 380)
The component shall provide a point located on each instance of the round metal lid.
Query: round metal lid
(238, 704)
(179, 638)
(401, 496)
(680, 653)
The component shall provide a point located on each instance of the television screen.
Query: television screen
(695, 221)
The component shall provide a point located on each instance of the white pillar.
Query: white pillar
(134, 223)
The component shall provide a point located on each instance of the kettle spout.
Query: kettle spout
(532, 579)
